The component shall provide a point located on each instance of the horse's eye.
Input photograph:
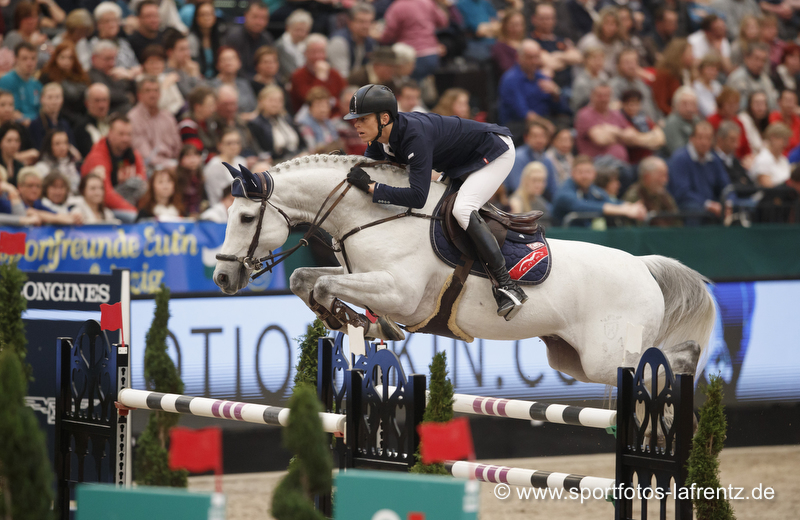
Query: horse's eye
(246, 219)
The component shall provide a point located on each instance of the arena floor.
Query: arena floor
(249, 495)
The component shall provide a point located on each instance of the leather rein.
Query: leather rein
(268, 262)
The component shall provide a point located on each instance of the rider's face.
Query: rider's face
(367, 127)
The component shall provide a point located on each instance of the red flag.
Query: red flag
(196, 450)
(445, 441)
(12, 243)
(111, 316)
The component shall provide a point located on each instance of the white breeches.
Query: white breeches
(481, 185)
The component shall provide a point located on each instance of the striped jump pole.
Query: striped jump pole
(526, 477)
(220, 409)
(527, 410)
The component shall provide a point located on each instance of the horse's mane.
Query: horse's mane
(385, 172)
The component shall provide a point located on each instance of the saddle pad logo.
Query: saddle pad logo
(538, 253)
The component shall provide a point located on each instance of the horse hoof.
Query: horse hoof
(390, 330)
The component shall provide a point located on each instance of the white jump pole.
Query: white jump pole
(220, 409)
(527, 477)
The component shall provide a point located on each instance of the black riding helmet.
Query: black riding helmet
(373, 99)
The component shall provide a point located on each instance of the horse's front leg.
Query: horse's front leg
(375, 290)
(302, 282)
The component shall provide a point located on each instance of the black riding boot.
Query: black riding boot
(509, 295)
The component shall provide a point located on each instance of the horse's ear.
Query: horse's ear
(245, 171)
(233, 171)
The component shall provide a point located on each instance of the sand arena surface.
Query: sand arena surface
(249, 495)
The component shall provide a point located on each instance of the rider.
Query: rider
(478, 154)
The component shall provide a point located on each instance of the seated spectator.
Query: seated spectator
(629, 29)
(215, 174)
(600, 129)
(58, 156)
(9, 146)
(755, 120)
(665, 25)
(316, 127)
(576, 19)
(415, 23)
(227, 116)
(605, 34)
(579, 194)
(107, 18)
(651, 190)
(727, 108)
(78, 26)
(154, 131)
(50, 116)
(379, 70)
(696, 176)
(728, 135)
(750, 77)
(12, 211)
(249, 36)
(711, 39)
(627, 79)
(91, 206)
(560, 153)
(406, 59)
(454, 102)
(509, 38)
(537, 136)
(29, 154)
(154, 61)
(219, 212)
(267, 70)
(787, 114)
(673, 71)
(229, 65)
(769, 37)
(123, 169)
(21, 83)
(273, 129)
(316, 72)
(119, 84)
(559, 54)
(65, 69)
(749, 33)
(648, 137)
(58, 197)
(291, 45)
(481, 25)
(198, 128)
(204, 38)
(706, 85)
(591, 75)
(148, 31)
(409, 97)
(29, 186)
(787, 74)
(607, 179)
(94, 125)
(350, 45)
(525, 93)
(26, 29)
(770, 167)
(162, 201)
(179, 61)
(189, 180)
(529, 195)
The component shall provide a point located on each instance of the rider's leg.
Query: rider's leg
(477, 189)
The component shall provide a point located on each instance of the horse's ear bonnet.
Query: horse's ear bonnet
(253, 186)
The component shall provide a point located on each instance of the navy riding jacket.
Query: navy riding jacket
(454, 146)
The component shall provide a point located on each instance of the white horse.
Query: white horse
(594, 298)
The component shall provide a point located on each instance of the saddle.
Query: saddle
(499, 222)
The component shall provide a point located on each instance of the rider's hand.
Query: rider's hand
(359, 178)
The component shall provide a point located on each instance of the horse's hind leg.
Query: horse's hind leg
(683, 357)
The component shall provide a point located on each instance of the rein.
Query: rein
(268, 262)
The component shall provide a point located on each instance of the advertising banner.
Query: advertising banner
(181, 255)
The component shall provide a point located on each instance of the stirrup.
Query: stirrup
(509, 301)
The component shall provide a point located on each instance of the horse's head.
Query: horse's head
(255, 228)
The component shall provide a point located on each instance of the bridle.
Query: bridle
(267, 263)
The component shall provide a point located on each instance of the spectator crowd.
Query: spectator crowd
(622, 110)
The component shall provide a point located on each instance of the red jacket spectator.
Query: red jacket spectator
(317, 72)
(123, 169)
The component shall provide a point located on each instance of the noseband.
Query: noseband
(267, 263)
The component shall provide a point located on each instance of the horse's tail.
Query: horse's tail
(689, 311)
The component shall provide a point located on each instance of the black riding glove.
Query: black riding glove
(359, 178)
